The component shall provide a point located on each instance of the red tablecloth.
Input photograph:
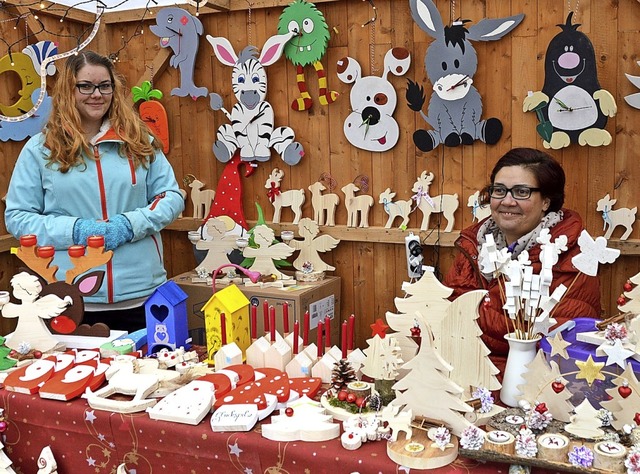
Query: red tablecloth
(84, 440)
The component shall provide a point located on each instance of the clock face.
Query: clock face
(572, 108)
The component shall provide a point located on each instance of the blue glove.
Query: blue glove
(84, 228)
(119, 231)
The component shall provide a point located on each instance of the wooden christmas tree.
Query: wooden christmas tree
(633, 296)
(585, 423)
(625, 399)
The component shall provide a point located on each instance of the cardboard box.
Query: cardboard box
(320, 298)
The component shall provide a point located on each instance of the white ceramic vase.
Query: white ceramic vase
(521, 353)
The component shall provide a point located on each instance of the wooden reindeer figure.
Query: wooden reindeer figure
(200, 198)
(294, 198)
(324, 205)
(444, 203)
(613, 218)
(356, 205)
(478, 210)
(44, 298)
(395, 208)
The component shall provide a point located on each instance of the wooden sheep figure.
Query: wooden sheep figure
(294, 198)
(200, 198)
(479, 211)
(444, 203)
(323, 204)
(612, 219)
(356, 204)
(395, 208)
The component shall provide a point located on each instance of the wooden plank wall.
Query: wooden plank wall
(372, 263)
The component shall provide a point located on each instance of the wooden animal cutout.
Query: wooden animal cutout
(633, 99)
(443, 203)
(293, 198)
(324, 205)
(44, 298)
(19, 130)
(200, 198)
(251, 130)
(371, 125)
(398, 421)
(357, 205)
(310, 37)
(613, 218)
(267, 252)
(310, 246)
(572, 107)
(180, 30)
(479, 210)
(451, 61)
(400, 208)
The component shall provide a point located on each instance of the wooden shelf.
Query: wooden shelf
(383, 235)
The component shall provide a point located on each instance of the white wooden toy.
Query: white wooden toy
(585, 423)
(278, 355)
(218, 245)
(293, 198)
(256, 351)
(229, 354)
(443, 203)
(266, 252)
(478, 211)
(356, 205)
(613, 218)
(300, 365)
(310, 246)
(399, 421)
(234, 418)
(400, 208)
(200, 198)
(189, 404)
(323, 367)
(304, 421)
(324, 205)
(46, 462)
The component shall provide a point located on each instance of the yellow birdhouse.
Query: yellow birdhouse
(226, 312)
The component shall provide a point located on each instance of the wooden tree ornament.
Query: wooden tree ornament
(293, 198)
(446, 204)
(310, 246)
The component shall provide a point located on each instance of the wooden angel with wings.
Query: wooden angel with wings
(218, 245)
(311, 245)
(267, 253)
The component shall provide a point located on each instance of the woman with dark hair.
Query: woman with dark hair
(96, 169)
(526, 195)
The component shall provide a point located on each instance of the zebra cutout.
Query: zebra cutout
(251, 129)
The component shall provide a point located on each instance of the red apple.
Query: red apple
(351, 397)
(46, 251)
(28, 240)
(76, 251)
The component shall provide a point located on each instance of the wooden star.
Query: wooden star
(559, 346)
(590, 370)
(379, 328)
(616, 353)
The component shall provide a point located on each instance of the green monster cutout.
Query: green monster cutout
(307, 47)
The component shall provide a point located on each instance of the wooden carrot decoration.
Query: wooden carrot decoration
(152, 112)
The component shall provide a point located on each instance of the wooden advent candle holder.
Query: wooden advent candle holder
(609, 456)
(500, 441)
(553, 447)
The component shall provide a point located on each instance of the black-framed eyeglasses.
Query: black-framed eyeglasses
(87, 88)
(519, 191)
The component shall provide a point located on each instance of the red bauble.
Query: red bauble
(342, 395)
(37, 354)
(557, 386)
(28, 240)
(627, 286)
(76, 251)
(3, 426)
(415, 331)
(46, 251)
(621, 300)
(351, 397)
(360, 402)
(289, 412)
(636, 419)
(486, 302)
(624, 391)
(95, 241)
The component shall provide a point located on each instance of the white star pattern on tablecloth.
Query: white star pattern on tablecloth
(405, 469)
(235, 449)
(101, 437)
(616, 353)
(91, 461)
(90, 416)
(248, 470)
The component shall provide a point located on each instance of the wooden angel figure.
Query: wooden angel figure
(311, 245)
(266, 252)
(218, 245)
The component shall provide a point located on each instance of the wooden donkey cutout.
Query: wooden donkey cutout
(613, 218)
(444, 203)
(293, 198)
(44, 298)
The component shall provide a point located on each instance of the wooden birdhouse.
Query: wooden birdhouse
(166, 315)
(226, 312)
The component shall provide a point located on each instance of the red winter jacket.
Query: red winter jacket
(581, 300)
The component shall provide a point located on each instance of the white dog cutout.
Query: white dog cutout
(371, 125)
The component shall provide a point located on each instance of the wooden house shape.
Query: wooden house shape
(231, 302)
(166, 317)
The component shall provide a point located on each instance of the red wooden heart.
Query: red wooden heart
(557, 386)
(624, 391)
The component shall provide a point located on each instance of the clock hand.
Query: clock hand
(176, 32)
(460, 82)
(365, 122)
(561, 104)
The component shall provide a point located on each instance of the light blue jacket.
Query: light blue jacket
(47, 203)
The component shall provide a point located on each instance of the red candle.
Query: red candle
(95, 241)
(46, 251)
(223, 329)
(76, 251)
(28, 240)
(296, 334)
(265, 315)
(327, 331)
(305, 330)
(272, 323)
(344, 339)
(319, 329)
(285, 318)
(351, 338)
(254, 322)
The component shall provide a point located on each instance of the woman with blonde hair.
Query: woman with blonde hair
(97, 169)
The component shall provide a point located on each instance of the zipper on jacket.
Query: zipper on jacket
(105, 216)
(132, 168)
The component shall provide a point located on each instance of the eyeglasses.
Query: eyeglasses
(518, 192)
(87, 88)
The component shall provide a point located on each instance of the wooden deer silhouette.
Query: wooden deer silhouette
(356, 204)
(294, 198)
(324, 205)
(200, 198)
